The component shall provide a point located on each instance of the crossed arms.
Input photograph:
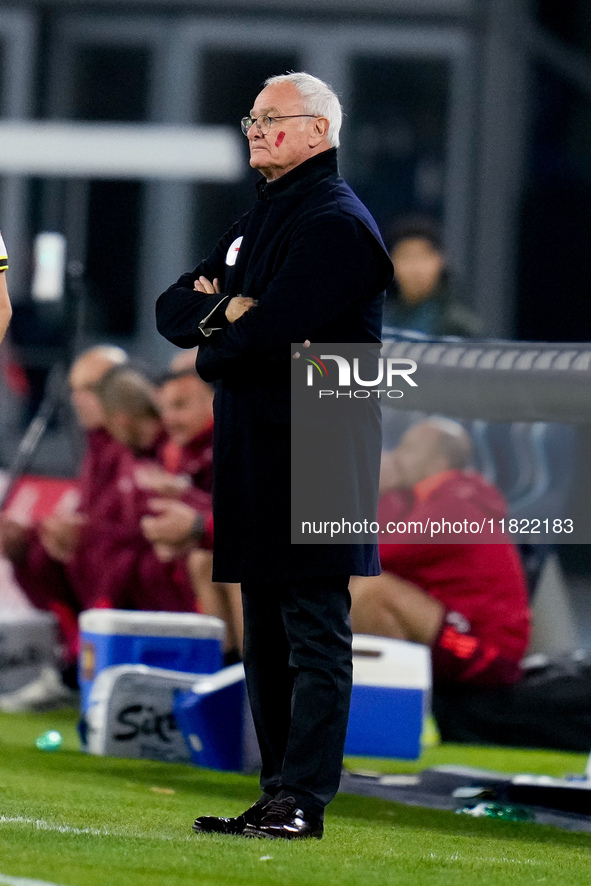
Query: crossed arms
(326, 269)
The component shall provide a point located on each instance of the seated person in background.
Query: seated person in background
(186, 406)
(128, 401)
(468, 602)
(50, 560)
(422, 297)
(129, 574)
(182, 521)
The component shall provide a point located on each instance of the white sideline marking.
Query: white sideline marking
(501, 858)
(47, 826)
(42, 825)
(22, 881)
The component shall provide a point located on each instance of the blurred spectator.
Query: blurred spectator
(136, 578)
(98, 556)
(128, 402)
(181, 519)
(183, 479)
(468, 602)
(186, 406)
(49, 559)
(422, 296)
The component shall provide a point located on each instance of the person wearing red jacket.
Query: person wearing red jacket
(186, 406)
(182, 518)
(179, 486)
(136, 577)
(50, 559)
(467, 601)
(98, 556)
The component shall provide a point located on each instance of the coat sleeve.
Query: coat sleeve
(332, 262)
(180, 310)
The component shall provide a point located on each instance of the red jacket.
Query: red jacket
(43, 579)
(113, 565)
(196, 460)
(126, 572)
(482, 581)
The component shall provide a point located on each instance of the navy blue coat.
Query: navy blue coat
(313, 258)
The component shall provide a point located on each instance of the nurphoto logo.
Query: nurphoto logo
(387, 369)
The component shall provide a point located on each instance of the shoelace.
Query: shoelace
(277, 809)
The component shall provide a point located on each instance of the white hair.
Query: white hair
(109, 353)
(319, 100)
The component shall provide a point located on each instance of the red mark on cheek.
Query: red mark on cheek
(279, 139)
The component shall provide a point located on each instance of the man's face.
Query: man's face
(417, 456)
(289, 141)
(84, 376)
(186, 408)
(138, 433)
(418, 266)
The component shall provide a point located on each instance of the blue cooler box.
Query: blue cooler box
(176, 641)
(215, 719)
(391, 696)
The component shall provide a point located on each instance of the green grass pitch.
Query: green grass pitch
(74, 820)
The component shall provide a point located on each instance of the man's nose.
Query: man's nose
(255, 131)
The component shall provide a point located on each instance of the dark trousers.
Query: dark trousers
(298, 664)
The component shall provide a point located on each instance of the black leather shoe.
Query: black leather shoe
(210, 824)
(284, 820)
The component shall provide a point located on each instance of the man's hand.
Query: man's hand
(238, 306)
(155, 479)
(206, 286)
(60, 533)
(167, 553)
(172, 525)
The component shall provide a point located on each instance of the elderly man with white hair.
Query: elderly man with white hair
(307, 262)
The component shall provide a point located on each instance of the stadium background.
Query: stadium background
(477, 112)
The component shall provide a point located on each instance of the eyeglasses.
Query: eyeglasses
(264, 122)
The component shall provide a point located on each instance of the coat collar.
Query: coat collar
(300, 179)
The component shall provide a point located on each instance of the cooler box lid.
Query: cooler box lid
(378, 661)
(152, 624)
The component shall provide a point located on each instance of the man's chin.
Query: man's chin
(257, 160)
(259, 164)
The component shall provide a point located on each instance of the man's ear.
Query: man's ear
(319, 131)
